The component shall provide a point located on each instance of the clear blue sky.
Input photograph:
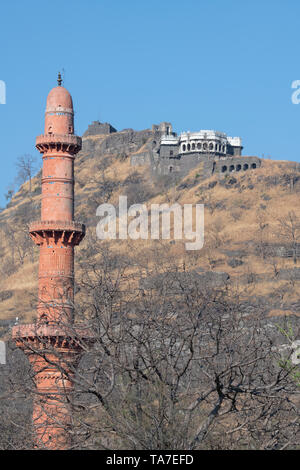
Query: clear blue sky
(224, 65)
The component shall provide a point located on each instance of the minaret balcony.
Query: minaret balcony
(65, 142)
(67, 231)
(31, 337)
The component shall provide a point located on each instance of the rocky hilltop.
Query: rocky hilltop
(252, 224)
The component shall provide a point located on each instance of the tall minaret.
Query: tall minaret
(50, 343)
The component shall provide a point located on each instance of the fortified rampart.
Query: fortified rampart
(166, 153)
(98, 128)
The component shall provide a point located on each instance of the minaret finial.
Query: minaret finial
(59, 79)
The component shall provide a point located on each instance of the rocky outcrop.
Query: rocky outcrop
(123, 143)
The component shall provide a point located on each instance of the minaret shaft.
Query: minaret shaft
(58, 187)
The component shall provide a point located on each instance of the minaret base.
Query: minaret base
(53, 352)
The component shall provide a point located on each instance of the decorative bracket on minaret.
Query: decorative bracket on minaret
(70, 232)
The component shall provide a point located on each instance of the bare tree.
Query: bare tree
(174, 364)
(16, 431)
(178, 366)
(26, 167)
(289, 230)
(10, 192)
(20, 244)
(262, 234)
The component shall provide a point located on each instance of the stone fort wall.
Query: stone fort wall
(146, 149)
(98, 128)
(183, 164)
(167, 159)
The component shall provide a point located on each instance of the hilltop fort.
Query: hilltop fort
(167, 153)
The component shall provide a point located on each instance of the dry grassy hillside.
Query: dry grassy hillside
(252, 224)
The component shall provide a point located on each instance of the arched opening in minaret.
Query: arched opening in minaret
(44, 318)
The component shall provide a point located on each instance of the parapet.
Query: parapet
(66, 142)
(98, 128)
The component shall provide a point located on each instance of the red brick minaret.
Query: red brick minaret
(51, 343)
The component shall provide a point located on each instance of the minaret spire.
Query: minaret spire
(59, 79)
